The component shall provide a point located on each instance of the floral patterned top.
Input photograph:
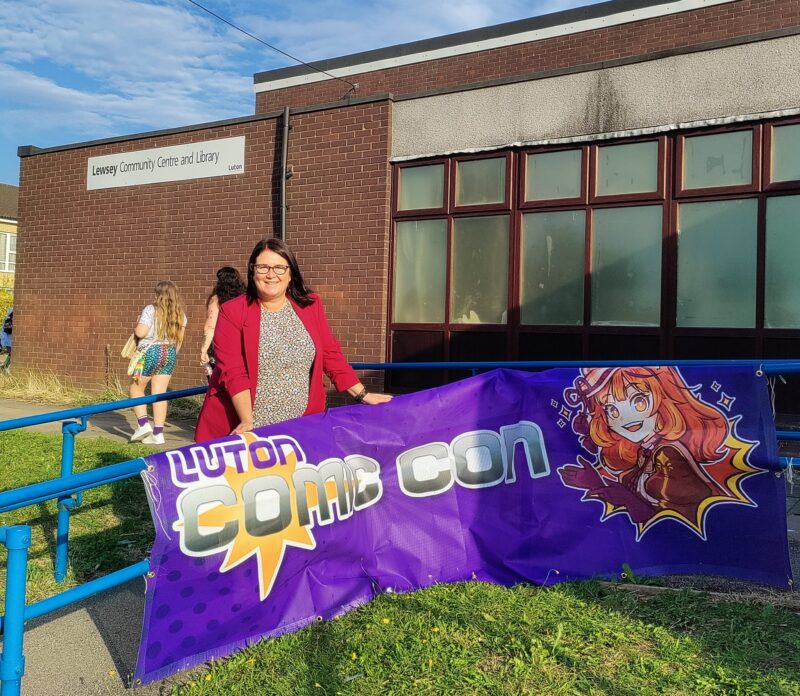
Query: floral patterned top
(285, 356)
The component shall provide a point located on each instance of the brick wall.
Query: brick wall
(87, 261)
(339, 219)
(714, 23)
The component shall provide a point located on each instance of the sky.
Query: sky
(77, 70)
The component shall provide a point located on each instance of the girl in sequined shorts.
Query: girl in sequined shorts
(160, 331)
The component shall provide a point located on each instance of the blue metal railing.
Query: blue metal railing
(86, 411)
(67, 490)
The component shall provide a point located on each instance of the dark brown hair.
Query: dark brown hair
(229, 285)
(297, 290)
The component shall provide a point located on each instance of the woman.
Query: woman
(267, 343)
(160, 331)
(654, 437)
(229, 285)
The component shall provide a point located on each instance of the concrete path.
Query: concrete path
(117, 425)
(90, 648)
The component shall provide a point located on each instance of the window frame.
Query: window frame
(420, 212)
(5, 260)
(505, 204)
(587, 341)
(524, 204)
(755, 163)
(760, 240)
(766, 171)
(658, 195)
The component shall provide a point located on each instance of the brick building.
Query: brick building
(616, 181)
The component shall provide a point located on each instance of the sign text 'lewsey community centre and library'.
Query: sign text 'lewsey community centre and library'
(221, 157)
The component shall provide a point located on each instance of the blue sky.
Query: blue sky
(75, 70)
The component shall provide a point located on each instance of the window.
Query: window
(782, 289)
(551, 277)
(554, 176)
(627, 169)
(479, 286)
(480, 181)
(785, 153)
(721, 160)
(420, 265)
(626, 266)
(675, 246)
(8, 252)
(421, 188)
(717, 264)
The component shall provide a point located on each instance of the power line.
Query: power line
(353, 87)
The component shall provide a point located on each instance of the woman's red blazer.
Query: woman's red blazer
(236, 338)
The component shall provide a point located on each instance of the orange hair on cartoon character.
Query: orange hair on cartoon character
(680, 415)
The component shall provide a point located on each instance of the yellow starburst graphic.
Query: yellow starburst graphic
(268, 549)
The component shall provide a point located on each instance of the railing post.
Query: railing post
(12, 662)
(65, 503)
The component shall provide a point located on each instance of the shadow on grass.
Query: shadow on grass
(743, 643)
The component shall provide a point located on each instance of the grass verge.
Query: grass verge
(468, 638)
(109, 530)
(474, 638)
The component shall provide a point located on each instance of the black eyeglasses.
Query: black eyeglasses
(264, 269)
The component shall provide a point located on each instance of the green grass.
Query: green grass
(474, 638)
(111, 529)
(468, 638)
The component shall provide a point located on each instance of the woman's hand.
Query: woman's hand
(204, 359)
(243, 427)
(375, 398)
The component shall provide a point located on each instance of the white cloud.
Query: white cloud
(119, 62)
(82, 69)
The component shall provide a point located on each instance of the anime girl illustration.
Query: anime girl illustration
(655, 441)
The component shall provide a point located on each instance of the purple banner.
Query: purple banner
(504, 477)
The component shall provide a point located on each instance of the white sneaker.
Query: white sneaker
(141, 432)
(154, 439)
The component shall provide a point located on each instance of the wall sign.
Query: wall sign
(223, 157)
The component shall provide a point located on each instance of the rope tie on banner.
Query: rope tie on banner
(771, 387)
(151, 483)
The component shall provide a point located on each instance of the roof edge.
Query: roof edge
(32, 150)
(475, 40)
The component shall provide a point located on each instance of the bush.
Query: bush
(6, 300)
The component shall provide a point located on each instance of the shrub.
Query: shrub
(6, 300)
